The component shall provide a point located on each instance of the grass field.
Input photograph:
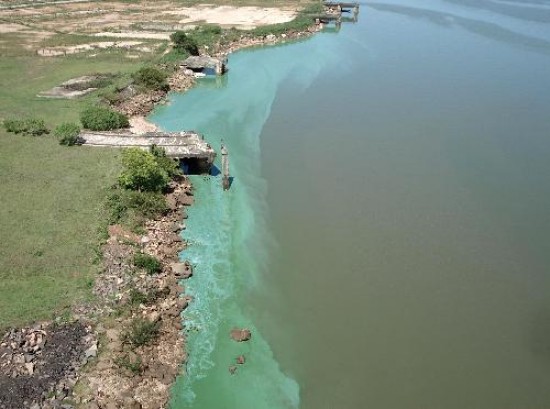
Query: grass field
(51, 196)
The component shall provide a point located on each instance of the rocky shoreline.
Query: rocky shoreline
(98, 350)
(97, 359)
(140, 105)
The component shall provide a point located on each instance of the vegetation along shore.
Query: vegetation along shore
(90, 285)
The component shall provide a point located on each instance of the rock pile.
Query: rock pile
(139, 376)
(140, 104)
(181, 80)
(39, 365)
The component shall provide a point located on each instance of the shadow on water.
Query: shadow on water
(215, 171)
(539, 340)
(483, 28)
(539, 13)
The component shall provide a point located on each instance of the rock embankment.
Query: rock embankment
(39, 365)
(183, 79)
(124, 349)
(143, 345)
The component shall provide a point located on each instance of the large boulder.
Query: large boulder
(241, 335)
(181, 270)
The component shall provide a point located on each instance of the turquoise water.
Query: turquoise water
(386, 237)
(228, 233)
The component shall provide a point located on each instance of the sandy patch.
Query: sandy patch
(74, 49)
(135, 34)
(229, 16)
(11, 28)
(139, 125)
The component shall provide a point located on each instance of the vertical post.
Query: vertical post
(225, 167)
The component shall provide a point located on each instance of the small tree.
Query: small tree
(184, 43)
(98, 118)
(151, 78)
(169, 165)
(141, 171)
(68, 133)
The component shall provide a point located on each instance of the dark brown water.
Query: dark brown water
(386, 237)
(409, 195)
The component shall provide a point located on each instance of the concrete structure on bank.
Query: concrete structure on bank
(188, 147)
(205, 64)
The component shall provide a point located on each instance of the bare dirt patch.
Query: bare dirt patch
(73, 88)
(230, 16)
(11, 28)
(74, 49)
(135, 34)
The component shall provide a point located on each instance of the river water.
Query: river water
(386, 237)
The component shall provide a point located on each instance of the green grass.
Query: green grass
(51, 197)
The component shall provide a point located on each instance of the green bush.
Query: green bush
(149, 263)
(169, 165)
(209, 29)
(141, 332)
(151, 78)
(135, 365)
(206, 35)
(98, 118)
(132, 208)
(28, 126)
(137, 297)
(68, 133)
(124, 204)
(185, 43)
(142, 171)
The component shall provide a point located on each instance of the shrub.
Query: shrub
(185, 43)
(137, 297)
(134, 365)
(149, 263)
(123, 203)
(141, 171)
(206, 35)
(102, 119)
(141, 332)
(209, 29)
(131, 208)
(151, 78)
(169, 165)
(68, 133)
(28, 126)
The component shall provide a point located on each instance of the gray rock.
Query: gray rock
(130, 403)
(30, 368)
(181, 270)
(18, 359)
(92, 351)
